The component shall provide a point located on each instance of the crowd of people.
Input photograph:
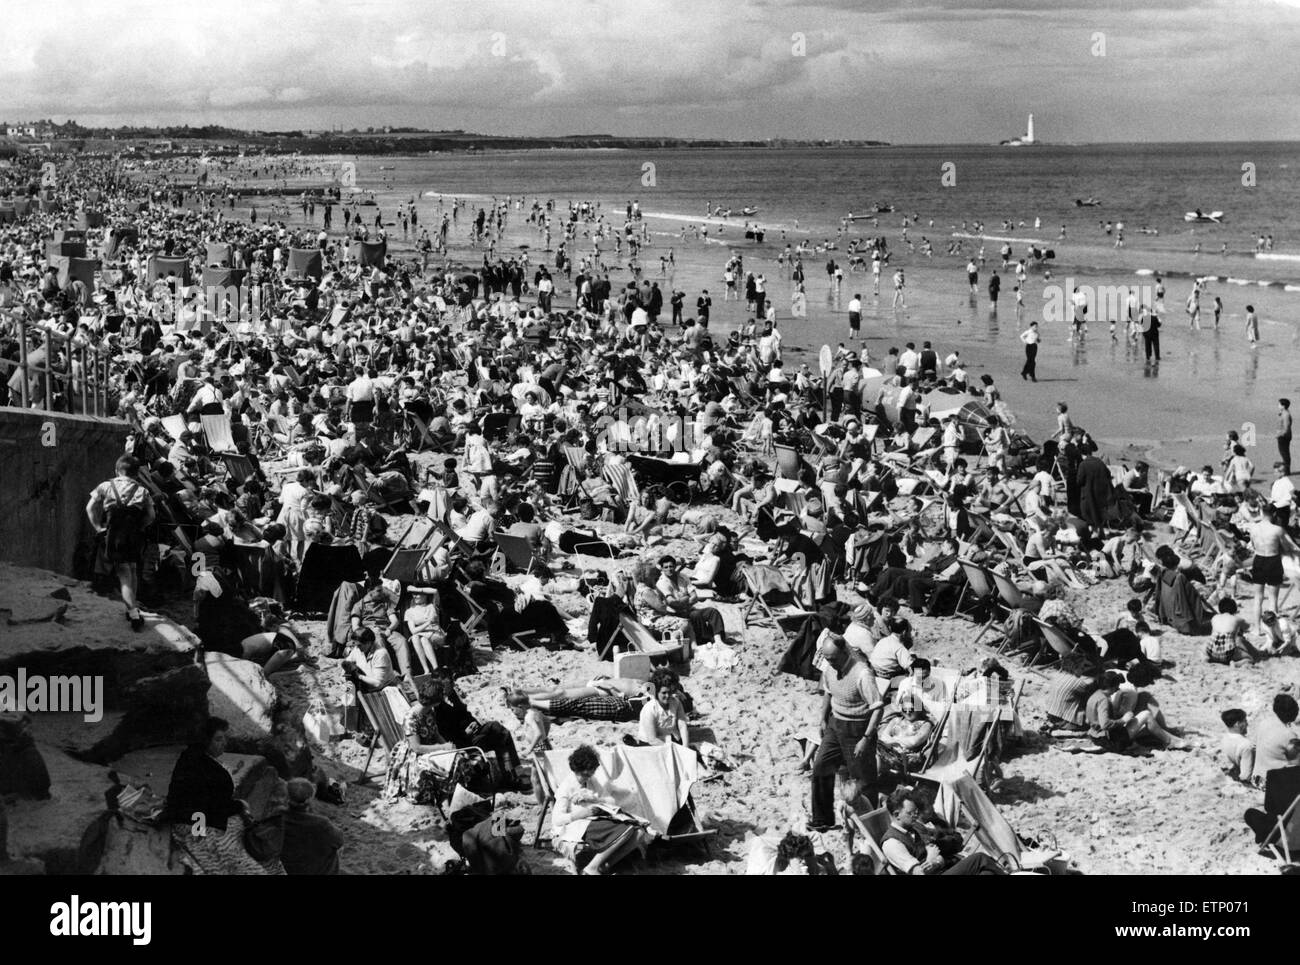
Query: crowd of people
(384, 443)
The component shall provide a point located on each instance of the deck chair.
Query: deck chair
(418, 436)
(789, 464)
(651, 783)
(980, 587)
(218, 432)
(400, 505)
(641, 640)
(867, 830)
(387, 710)
(239, 467)
(622, 480)
(1057, 641)
(1009, 598)
(758, 433)
(1284, 838)
(517, 553)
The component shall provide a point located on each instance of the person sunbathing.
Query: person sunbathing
(603, 698)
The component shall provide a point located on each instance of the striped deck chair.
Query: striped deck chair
(618, 473)
(573, 475)
(758, 434)
(387, 711)
(220, 436)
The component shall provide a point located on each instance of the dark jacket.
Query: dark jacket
(200, 784)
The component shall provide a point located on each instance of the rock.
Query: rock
(242, 696)
(51, 830)
(152, 688)
(22, 769)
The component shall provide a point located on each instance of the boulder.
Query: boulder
(242, 696)
(50, 830)
(150, 685)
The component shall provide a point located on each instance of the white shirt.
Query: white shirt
(1282, 491)
(855, 305)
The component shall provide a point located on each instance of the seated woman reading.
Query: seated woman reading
(589, 827)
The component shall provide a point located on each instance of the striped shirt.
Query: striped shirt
(1067, 697)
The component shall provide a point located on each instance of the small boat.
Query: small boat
(749, 210)
(1144, 230)
(1201, 217)
(1089, 203)
(883, 209)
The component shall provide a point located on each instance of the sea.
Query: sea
(1025, 196)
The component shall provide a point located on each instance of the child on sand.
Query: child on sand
(1236, 750)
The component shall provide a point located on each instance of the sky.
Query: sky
(904, 71)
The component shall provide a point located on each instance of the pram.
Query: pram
(674, 477)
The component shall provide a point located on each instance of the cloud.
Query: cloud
(938, 70)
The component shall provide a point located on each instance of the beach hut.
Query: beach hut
(7, 215)
(161, 266)
(219, 254)
(222, 287)
(77, 269)
(65, 249)
(118, 237)
(368, 253)
(305, 263)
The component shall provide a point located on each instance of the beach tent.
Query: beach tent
(78, 269)
(122, 235)
(22, 206)
(306, 263)
(222, 286)
(7, 215)
(93, 196)
(90, 219)
(161, 266)
(369, 253)
(135, 207)
(220, 254)
(873, 380)
(970, 411)
(65, 249)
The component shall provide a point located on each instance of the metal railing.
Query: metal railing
(54, 388)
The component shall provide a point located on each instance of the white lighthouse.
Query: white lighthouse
(1029, 131)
